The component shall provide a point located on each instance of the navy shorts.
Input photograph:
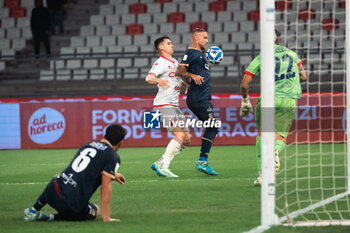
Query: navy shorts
(64, 211)
(203, 110)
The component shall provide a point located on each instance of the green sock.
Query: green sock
(279, 146)
(258, 152)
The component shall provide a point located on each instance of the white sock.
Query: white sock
(174, 148)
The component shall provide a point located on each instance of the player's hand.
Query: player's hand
(246, 107)
(163, 83)
(111, 220)
(197, 79)
(120, 178)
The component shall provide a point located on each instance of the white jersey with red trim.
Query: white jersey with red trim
(165, 68)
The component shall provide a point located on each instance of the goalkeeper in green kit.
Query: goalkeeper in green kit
(289, 71)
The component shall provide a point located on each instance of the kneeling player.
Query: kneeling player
(95, 164)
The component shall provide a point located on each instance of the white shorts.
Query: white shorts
(171, 116)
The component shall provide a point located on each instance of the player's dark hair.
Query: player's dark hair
(198, 30)
(114, 134)
(159, 40)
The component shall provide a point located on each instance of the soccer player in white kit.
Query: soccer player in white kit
(166, 101)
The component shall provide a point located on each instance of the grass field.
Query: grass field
(147, 203)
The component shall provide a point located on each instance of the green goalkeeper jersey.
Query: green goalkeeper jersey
(287, 82)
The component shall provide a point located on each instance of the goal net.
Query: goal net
(312, 184)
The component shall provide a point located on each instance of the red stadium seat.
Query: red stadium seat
(134, 29)
(176, 17)
(254, 16)
(218, 6)
(342, 4)
(203, 25)
(306, 14)
(283, 5)
(138, 8)
(330, 24)
(12, 3)
(162, 1)
(18, 12)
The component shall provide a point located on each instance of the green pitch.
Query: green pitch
(147, 203)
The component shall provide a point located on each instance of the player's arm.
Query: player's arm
(187, 76)
(302, 72)
(106, 193)
(246, 106)
(152, 79)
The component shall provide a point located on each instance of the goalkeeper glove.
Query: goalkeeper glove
(246, 107)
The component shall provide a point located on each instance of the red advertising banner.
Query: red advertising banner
(71, 124)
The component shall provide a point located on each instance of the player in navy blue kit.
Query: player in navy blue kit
(95, 164)
(194, 70)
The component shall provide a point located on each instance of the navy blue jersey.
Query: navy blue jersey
(84, 174)
(197, 65)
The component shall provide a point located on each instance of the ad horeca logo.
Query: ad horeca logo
(46, 125)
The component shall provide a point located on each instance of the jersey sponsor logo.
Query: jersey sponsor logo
(156, 64)
(46, 125)
(177, 88)
(172, 74)
(67, 179)
(169, 67)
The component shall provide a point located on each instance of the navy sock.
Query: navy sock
(207, 141)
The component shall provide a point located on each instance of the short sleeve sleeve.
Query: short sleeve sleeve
(157, 68)
(112, 164)
(254, 66)
(187, 58)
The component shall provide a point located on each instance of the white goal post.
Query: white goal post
(312, 187)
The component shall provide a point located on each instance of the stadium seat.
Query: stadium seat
(160, 18)
(103, 30)
(182, 27)
(63, 75)
(80, 74)
(13, 33)
(128, 19)
(141, 62)
(97, 20)
(306, 14)
(121, 9)
(166, 28)
(342, 4)
(134, 29)
(144, 18)
(230, 26)
(217, 6)
(148, 48)
(112, 19)
(176, 37)
(90, 63)
(99, 49)
(240, 16)
(186, 7)
(2, 33)
(124, 40)
(106, 10)
(283, 5)
(192, 17)
(124, 62)
(87, 30)
(67, 51)
(12, 3)
(23, 23)
(150, 29)
(107, 63)
(250, 5)
(208, 16)
(77, 41)
(153, 8)
(234, 6)
(176, 17)
(330, 24)
(247, 26)
(8, 23)
(224, 16)
(138, 8)
(5, 44)
(46, 75)
(238, 37)
(58, 64)
(108, 41)
(97, 74)
(221, 37)
(118, 30)
(4, 12)
(73, 64)
(254, 15)
(201, 6)
(115, 49)
(8, 52)
(203, 25)
(141, 39)
(170, 7)
(93, 41)
(214, 27)
(83, 51)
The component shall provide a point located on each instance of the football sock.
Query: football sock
(279, 146)
(258, 152)
(174, 148)
(39, 203)
(207, 141)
